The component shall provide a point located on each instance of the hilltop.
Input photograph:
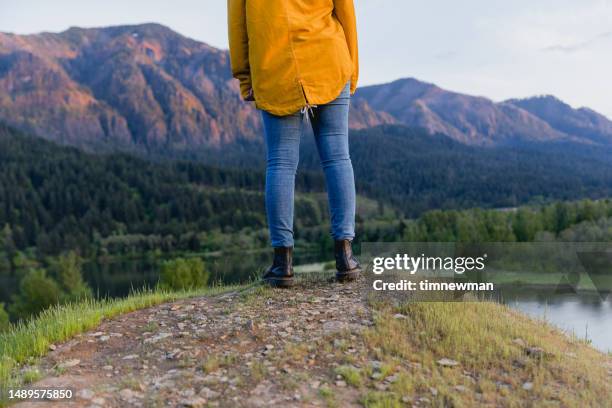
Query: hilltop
(324, 344)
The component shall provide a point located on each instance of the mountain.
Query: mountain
(582, 122)
(149, 89)
(144, 86)
(467, 119)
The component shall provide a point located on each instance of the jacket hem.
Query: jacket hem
(295, 107)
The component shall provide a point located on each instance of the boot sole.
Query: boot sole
(280, 282)
(348, 276)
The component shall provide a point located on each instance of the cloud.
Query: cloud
(579, 46)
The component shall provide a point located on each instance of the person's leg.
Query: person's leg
(330, 127)
(283, 135)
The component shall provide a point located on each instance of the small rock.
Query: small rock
(52, 347)
(406, 399)
(69, 363)
(130, 357)
(434, 391)
(104, 338)
(85, 393)
(399, 316)
(269, 347)
(392, 378)
(520, 342)
(377, 375)
(315, 384)
(195, 402)
(107, 367)
(502, 385)
(528, 386)
(99, 401)
(208, 393)
(250, 325)
(340, 384)
(158, 337)
(97, 334)
(536, 352)
(334, 326)
(460, 388)
(127, 394)
(381, 386)
(447, 362)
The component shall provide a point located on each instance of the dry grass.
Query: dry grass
(494, 366)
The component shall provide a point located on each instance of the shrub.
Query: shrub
(70, 278)
(37, 291)
(4, 319)
(181, 273)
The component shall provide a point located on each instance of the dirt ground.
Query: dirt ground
(259, 347)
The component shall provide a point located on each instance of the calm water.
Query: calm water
(116, 278)
(584, 315)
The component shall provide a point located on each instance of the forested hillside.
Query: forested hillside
(415, 172)
(57, 198)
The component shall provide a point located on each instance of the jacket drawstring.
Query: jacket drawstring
(308, 110)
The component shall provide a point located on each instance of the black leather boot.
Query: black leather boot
(280, 274)
(347, 266)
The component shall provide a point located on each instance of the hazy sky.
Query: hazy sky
(499, 49)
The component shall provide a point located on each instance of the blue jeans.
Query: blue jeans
(330, 127)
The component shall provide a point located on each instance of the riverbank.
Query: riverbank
(322, 344)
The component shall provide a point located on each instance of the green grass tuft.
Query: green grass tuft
(25, 342)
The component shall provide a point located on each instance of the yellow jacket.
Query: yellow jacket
(292, 53)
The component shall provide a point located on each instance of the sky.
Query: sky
(498, 49)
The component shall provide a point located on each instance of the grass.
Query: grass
(493, 365)
(327, 394)
(213, 363)
(258, 371)
(26, 342)
(351, 375)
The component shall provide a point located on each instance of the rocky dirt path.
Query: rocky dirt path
(259, 347)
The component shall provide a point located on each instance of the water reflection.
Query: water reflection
(117, 277)
(583, 314)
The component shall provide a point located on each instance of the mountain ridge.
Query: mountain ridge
(146, 87)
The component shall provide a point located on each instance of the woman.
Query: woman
(297, 59)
